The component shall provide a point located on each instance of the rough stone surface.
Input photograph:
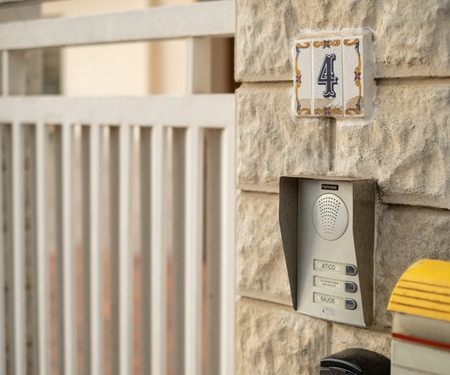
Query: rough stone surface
(269, 144)
(271, 339)
(345, 337)
(411, 38)
(260, 264)
(405, 147)
(405, 235)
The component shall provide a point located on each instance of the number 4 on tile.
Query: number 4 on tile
(327, 76)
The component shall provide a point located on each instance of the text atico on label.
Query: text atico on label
(321, 265)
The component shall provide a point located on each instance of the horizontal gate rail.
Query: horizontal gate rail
(182, 111)
(214, 19)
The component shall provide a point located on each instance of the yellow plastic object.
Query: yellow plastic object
(424, 290)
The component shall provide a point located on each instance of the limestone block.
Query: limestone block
(260, 264)
(269, 144)
(405, 235)
(411, 38)
(345, 337)
(406, 148)
(271, 339)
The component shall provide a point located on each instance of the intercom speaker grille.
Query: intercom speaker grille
(330, 217)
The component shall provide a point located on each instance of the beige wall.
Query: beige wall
(404, 147)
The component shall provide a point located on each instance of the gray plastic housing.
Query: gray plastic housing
(327, 229)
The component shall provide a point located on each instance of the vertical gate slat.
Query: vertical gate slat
(146, 235)
(91, 180)
(193, 250)
(212, 246)
(227, 291)
(86, 237)
(124, 266)
(153, 256)
(18, 253)
(41, 250)
(65, 264)
(2, 267)
(114, 241)
(199, 65)
(179, 246)
(95, 259)
(120, 262)
(68, 259)
(199, 79)
(158, 259)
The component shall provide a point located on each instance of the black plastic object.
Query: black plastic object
(355, 362)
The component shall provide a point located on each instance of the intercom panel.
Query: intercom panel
(327, 226)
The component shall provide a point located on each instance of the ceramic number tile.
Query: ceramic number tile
(302, 77)
(333, 75)
(352, 55)
(327, 77)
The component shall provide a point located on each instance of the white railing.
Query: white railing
(188, 119)
(215, 18)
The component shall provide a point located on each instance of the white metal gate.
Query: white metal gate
(188, 118)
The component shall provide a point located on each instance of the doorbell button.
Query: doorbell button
(351, 270)
(350, 287)
(350, 304)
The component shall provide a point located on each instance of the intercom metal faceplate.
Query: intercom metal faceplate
(327, 227)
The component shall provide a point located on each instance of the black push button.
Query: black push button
(350, 304)
(351, 270)
(350, 287)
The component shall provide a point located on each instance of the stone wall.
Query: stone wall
(404, 148)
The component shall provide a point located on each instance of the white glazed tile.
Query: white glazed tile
(327, 77)
(349, 91)
(302, 77)
(353, 70)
